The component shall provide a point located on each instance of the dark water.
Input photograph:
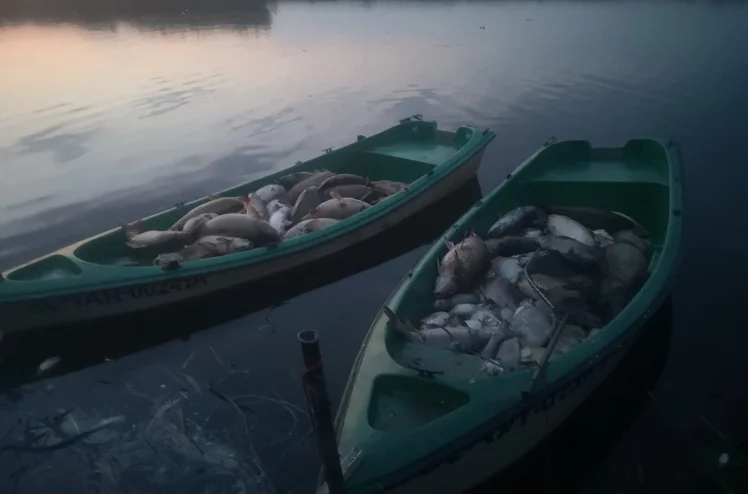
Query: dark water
(112, 109)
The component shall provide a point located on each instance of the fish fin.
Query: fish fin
(334, 194)
(450, 245)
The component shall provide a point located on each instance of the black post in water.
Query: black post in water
(315, 390)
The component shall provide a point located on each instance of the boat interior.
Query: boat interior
(634, 180)
(404, 153)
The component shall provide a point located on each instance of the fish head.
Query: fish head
(446, 285)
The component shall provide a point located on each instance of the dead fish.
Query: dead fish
(291, 179)
(532, 354)
(313, 181)
(281, 220)
(501, 292)
(460, 298)
(486, 317)
(48, 364)
(564, 295)
(436, 319)
(307, 201)
(507, 268)
(454, 338)
(355, 191)
(259, 205)
(442, 304)
(631, 237)
(516, 220)
(599, 219)
(563, 226)
(343, 179)
(388, 187)
(338, 208)
(193, 225)
(533, 324)
(511, 246)
(215, 204)
(624, 264)
(242, 226)
(602, 238)
(461, 265)
(463, 310)
(271, 192)
(575, 253)
(277, 204)
(508, 353)
(533, 233)
(153, 238)
(489, 351)
(308, 226)
(205, 248)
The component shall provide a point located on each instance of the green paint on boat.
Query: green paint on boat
(413, 412)
(103, 274)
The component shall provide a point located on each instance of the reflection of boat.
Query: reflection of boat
(95, 277)
(416, 418)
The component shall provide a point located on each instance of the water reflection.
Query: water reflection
(158, 15)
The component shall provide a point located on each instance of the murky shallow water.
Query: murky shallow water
(107, 116)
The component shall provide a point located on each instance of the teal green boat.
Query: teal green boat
(415, 418)
(98, 277)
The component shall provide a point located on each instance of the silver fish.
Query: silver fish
(463, 310)
(507, 268)
(530, 354)
(486, 317)
(315, 180)
(534, 324)
(217, 205)
(338, 208)
(280, 220)
(516, 221)
(599, 219)
(511, 245)
(460, 298)
(308, 226)
(576, 253)
(442, 304)
(356, 191)
(193, 225)
(343, 179)
(388, 187)
(563, 226)
(625, 269)
(153, 238)
(277, 204)
(508, 353)
(501, 292)
(461, 265)
(288, 181)
(242, 226)
(307, 201)
(271, 192)
(436, 319)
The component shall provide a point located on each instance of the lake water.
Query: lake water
(112, 110)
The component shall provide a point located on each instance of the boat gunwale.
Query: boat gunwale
(671, 244)
(16, 290)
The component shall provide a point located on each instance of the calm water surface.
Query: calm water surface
(110, 112)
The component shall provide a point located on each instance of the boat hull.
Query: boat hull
(90, 305)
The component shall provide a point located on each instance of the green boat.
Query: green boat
(99, 277)
(416, 418)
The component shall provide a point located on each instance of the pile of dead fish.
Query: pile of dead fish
(297, 204)
(541, 280)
